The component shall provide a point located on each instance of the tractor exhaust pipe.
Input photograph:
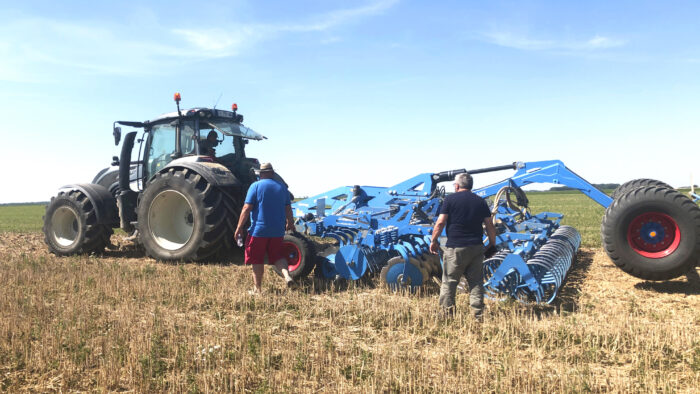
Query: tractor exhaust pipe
(126, 200)
(125, 161)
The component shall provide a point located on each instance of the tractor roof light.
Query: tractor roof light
(234, 107)
(177, 97)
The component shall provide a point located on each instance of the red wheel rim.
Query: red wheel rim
(293, 255)
(653, 235)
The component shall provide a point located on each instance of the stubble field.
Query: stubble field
(123, 322)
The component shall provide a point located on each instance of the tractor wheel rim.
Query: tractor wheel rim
(170, 220)
(653, 235)
(64, 224)
(293, 255)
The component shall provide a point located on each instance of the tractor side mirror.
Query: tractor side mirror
(117, 133)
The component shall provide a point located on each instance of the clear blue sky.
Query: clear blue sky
(358, 92)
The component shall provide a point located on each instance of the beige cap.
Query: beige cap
(266, 167)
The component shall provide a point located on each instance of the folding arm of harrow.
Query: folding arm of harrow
(550, 171)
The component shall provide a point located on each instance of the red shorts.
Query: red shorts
(257, 247)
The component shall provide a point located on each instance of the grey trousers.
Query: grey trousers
(467, 260)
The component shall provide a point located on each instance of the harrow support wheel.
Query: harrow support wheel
(300, 255)
(636, 184)
(652, 233)
(70, 225)
(184, 218)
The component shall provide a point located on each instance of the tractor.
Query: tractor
(180, 199)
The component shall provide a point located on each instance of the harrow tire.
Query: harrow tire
(636, 184)
(71, 227)
(300, 255)
(667, 219)
(182, 217)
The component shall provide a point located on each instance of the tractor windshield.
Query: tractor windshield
(235, 129)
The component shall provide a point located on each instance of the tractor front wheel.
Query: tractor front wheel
(181, 217)
(70, 225)
(652, 233)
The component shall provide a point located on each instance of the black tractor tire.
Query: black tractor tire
(636, 184)
(182, 217)
(652, 233)
(300, 254)
(71, 227)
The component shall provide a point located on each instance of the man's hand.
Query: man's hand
(490, 251)
(238, 234)
(434, 247)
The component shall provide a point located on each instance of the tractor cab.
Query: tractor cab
(206, 141)
(194, 135)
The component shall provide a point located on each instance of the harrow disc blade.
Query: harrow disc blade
(351, 262)
(400, 274)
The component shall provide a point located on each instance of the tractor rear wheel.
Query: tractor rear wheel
(182, 217)
(70, 225)
(636, 184)
(300, 255)
(652, 233)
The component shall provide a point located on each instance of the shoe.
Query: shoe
(254, 292)
(291, 284)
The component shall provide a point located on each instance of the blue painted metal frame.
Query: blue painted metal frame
(551, 171)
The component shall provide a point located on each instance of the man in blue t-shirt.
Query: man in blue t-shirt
(463, 213)
(268, 207)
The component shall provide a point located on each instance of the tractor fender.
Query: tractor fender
(104, 202)
(215, 173)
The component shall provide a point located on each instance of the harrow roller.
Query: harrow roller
(539, 278)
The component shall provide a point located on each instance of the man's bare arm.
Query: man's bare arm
(290, 217)
(490, 231)
(243, 219)
(437, 231)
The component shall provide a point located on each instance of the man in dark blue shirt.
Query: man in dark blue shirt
(267, 204)
(463, 213)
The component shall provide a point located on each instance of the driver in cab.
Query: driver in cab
(206, 147)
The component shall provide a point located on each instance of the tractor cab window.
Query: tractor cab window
(188, 139)
(161, 148)
(162, 144)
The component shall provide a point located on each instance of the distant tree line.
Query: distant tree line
(600, 186)
(24, 203)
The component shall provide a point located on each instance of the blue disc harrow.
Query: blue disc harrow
(387, 231)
